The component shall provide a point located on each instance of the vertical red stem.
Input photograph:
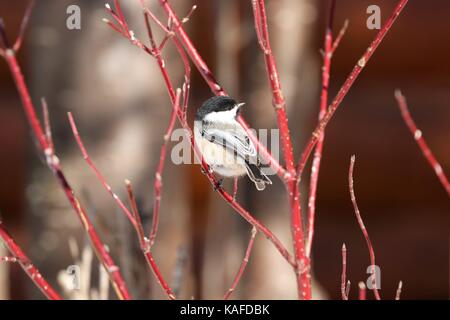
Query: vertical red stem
(344, 294)
(362, 62)
(362, 291)
(303, 267)
(363, 228)
(328, 43)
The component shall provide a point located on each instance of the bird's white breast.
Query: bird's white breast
(221, 160)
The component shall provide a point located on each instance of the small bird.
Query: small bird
(224, 143)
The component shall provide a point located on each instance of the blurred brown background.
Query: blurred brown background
(121, 107)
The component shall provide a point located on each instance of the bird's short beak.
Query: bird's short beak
(239, 105)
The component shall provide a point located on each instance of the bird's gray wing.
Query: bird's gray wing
(234, 139)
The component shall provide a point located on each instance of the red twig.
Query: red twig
(235, 205)
(344, 294)
(27, 266)
(362, 62)
(145, 244)
(132, 216)
(363, 227)
(417, 134)
(183, 121)
(173, 117)
(243, 265)
(23, 26)
(339, 37)
(399, 290)
(362, 291)
(97, 172)
(214, 85)
(47, 126)
(182, 118)
(137, 217)
(158, 176)
(279, 103)
(329, 48)
(53, 163)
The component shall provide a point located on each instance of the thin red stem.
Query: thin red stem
(47, 126)
(27, 266)
(23, 26)
(363, 228)
(344, 294)
(131, 217)
(97, 172)
(243, 265)
(145, 245)
(137, 217)
(362, 62)
(279, 103)
(213, 84)
(362, 291)
(417, 134)
(54, 165)
(327, 54)
(158, 176)
(28, 106)
(339, 37)
(399, 290)
(182, 118)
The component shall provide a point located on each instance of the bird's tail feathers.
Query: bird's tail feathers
(257, 176)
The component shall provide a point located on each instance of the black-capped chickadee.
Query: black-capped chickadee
(223, 142)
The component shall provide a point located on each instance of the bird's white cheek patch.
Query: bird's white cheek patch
(222, 116)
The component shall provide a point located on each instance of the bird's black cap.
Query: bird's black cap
(215, 104)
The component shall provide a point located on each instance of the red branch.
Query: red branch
(53, 163)
(97, 172)
(290, 175)
(145, 245)
(132, 216)
(329, 48)
(344, 293)
(362, 291)
(399, 290)
(182, 118)
(362, 227)
(27, 266)
(362, 62)
(214, 85)
(243, 265)
(158, 176)
(279, 103)
(417, 134)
